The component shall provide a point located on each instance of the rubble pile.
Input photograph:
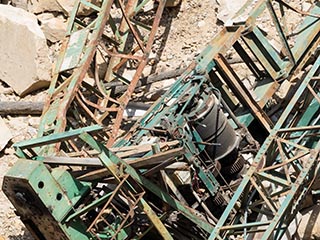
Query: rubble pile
(31, 35)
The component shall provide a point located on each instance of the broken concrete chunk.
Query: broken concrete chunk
(25, 64)
(5, 134)
(54, 28)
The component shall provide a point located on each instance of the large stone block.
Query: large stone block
(24, 54)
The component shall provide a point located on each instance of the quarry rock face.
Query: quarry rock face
(25, 65)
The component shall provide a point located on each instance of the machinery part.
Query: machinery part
(42, 202)
(214, 128)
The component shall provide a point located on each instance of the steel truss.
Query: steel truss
(291, 155)
(121, 44)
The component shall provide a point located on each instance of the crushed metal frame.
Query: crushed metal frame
(273, 188)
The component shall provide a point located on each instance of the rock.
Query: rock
(54, 28)
(308, 227)
(284, 89)
(25, 65)
(227, 9)
(38, 6)
(201, 24)
(5, 134)
(67, 6)
(172, 3)
(62, 6)
(305, 6)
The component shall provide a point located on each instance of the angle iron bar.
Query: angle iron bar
(299, 129)
(297, 95)
(272, 178)
(243, 93)
(125, 98)
(245, 225)
(132, 29)
(263, 193)
(79, 72)
(283, 163)
(87, 208)
(156, 220)
(290, 196)
(90, 5)
(53, 138)
(110, 161)
(280, 32)
(263, 150)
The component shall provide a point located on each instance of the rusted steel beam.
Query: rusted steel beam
(68, 88)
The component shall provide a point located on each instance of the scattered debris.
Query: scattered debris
(170, 58)
(21, 108)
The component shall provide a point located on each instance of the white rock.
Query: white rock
(54, 28)
(38, 6)
(227, 9)
(5, 134)
(201, 24)
(305, 6)
(25, 65)
(284, 89)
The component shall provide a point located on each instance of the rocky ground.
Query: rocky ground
(183, 33)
